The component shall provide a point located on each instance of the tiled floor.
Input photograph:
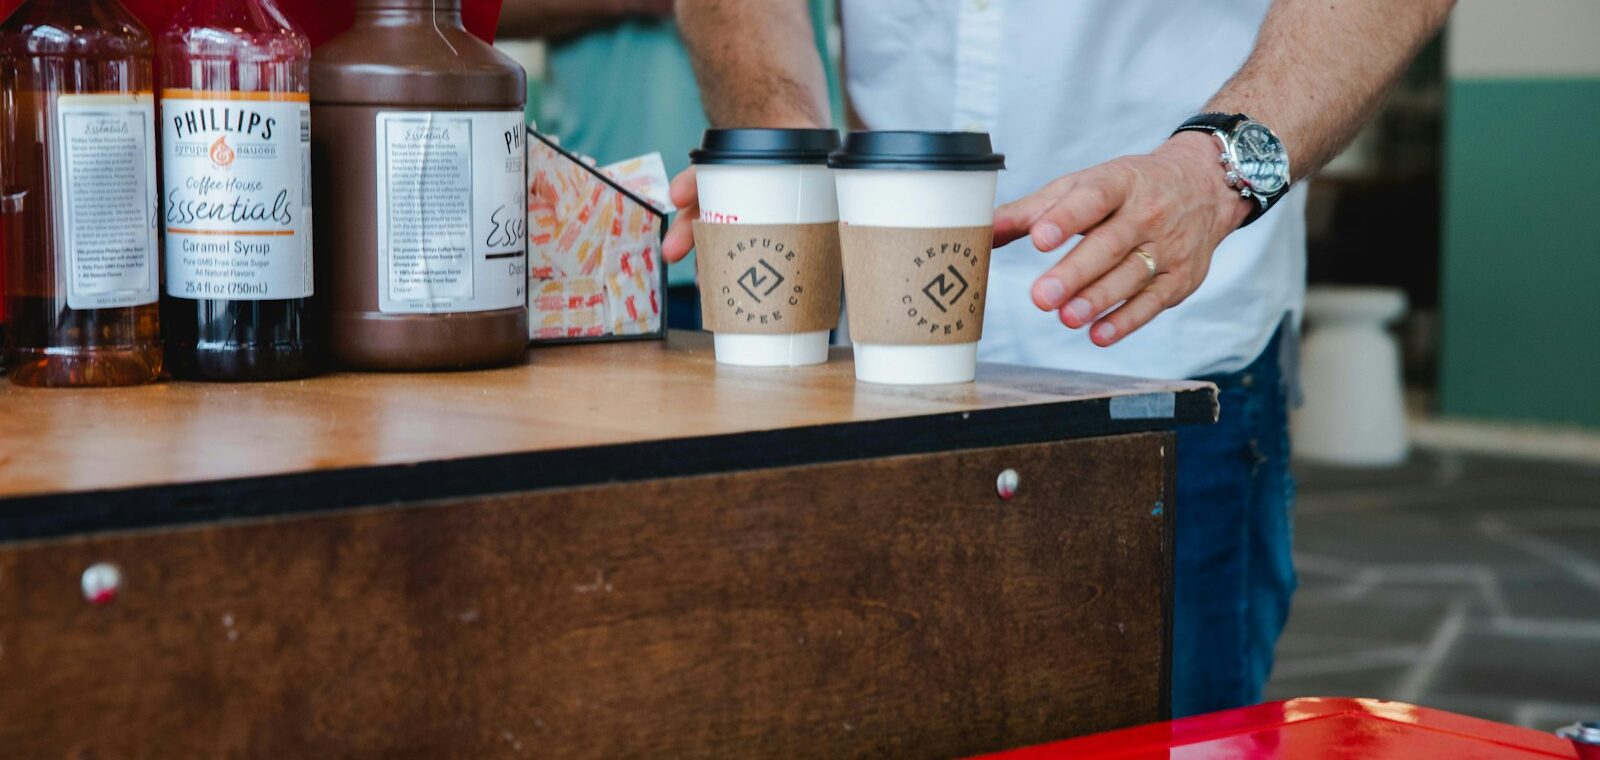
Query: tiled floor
(1466, 583)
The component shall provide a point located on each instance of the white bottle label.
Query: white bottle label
(106, 199)
(237, 207)
(452, 211)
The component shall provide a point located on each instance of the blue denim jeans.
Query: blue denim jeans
(1233, 572)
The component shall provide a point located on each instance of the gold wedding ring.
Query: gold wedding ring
(1149, 261)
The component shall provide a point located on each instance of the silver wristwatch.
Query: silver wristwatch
(1256, 163)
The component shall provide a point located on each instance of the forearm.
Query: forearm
(1320, 69)
(755, 62)
(547, 19)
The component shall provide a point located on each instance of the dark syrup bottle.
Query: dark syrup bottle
(236, 200)
(420, 165)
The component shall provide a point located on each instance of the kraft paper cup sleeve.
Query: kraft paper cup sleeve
(916, 286)
(768, 279)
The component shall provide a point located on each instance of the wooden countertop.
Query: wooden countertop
(73, 461)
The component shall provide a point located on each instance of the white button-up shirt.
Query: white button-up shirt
(1063, 85)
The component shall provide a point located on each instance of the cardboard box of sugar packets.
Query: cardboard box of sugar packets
(595, 270)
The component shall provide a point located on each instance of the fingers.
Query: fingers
(1015, 220)
(1101, 250)
(1063, 208)
(684, 189)
(1093, 196)
(1163, 292)
(1123, 282)
(680, 236)
(1008, 228)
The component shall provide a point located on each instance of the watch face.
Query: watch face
(1260, 156)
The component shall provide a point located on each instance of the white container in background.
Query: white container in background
(922, 181)
(1354, 411)
(767, 177)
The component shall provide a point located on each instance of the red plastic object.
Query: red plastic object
(1369, 729)
(321, 19)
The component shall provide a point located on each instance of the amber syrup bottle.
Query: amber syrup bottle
(9, 226)
(78, 179)
(236, 197)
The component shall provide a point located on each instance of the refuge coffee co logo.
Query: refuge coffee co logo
(762, 279)
(938, 290)
(768, 279)
(916, 286)
(949, 301)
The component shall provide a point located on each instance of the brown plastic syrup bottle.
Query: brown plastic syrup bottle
(77, 176)
(419, 164)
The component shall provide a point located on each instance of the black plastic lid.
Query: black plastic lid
(765, 146)
(937, 151)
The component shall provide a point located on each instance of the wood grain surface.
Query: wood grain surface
(885, 608)
(63, 441)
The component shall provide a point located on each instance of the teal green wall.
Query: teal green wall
(1521, 262)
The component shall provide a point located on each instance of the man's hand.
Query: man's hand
(680, 236)
(1317, 72)
(1171, 204)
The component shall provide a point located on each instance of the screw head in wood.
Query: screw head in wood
(1006, 484)
(102, 581)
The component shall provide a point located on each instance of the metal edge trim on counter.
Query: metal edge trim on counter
(58, 515)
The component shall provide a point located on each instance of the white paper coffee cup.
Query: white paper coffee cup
(914, 182)
(761, 178)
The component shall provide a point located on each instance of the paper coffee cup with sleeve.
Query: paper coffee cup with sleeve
(767, 244)
(916, 212)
